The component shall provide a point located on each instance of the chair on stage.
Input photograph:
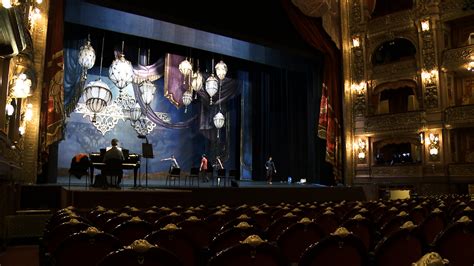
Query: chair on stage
(175, 173)
(221, 177)
(193, 174)
(79, 167)
(113, 169)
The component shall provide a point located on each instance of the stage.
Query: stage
(249, 192)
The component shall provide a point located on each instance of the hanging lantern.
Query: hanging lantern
(221, 70)
(9, 109)
(211, 86)
(121, 72)
(185, 67)
(196, 81)
(135, 113)
(86, 58)
(97, 96)
(21, 86)
(219, 121)
(187, 99)
(147, 89)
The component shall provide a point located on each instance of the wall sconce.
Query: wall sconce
(361, 149)
(9, 109)
(35, 15)
(21, 130)
(425, 25)
(429, 77)
(422, 137)
(29, 112)
(359, 88)
(21, 86)
(433, 145)
(470, 66)
(355, 41)
(9, 3)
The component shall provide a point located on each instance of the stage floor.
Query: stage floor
(127, 183)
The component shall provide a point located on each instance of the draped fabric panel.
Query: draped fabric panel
(52, 109)
(311, 31)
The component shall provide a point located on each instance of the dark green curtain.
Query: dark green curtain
(285, 113)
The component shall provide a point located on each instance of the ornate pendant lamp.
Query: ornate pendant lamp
(121, 71)
(211, 84)
(86, 58)
(135, 113)
(187, 99)
(97, 94)
(219, 120)
(185, 68)
(147, 88)
(196, 80)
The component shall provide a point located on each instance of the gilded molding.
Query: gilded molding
(466, 169)
(399, 21)
(455, 59)
(410, 121)
(452, 9)
(397, 171)
(461, 115)
(394, 71)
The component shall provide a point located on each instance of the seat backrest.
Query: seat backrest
(131, 230)
(85, 248)
(345, 250)
(456, 243)
(176, 241)
(400, 248)
(297, 238)
(138, 255)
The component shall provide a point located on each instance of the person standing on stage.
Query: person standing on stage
(203, 168)
(218, 164)
(174, 162)
(271, 169)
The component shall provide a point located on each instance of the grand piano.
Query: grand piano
(131, 162)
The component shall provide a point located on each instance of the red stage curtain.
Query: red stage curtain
(330, 115)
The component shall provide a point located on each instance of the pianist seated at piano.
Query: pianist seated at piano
(129, 161)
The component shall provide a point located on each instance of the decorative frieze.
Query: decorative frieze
(410, 121)
(394, 71)
(465, 169)
(398, 21)
(397, 171)
(459, 116)
(455, 59)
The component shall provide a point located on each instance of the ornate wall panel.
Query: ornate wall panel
(456, 59)
(459, 116)
(393, 72)
(397, 171)
(403, 122)
(461, 170)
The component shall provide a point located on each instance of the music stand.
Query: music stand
(147, 152)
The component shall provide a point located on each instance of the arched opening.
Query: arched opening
(396, 97)
(397, 152)
(385, 7)
(396, 50)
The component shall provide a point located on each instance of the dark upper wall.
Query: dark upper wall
(262, 22)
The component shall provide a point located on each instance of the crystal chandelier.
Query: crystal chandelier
(211, 84)
(86, 58)
(187, 99)
(221, 71)
(135, 113)
(196, 81)
(97, 94)
(121, 71)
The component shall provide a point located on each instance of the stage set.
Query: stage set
(184, 95)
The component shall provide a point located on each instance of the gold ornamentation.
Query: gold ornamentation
(260, 212)
(401, 20)
(289, 215)
(173, 214)
(136, 219)
(74, 221)
(243, 217)
(296, 210)
(457, 58)
(92, 231)
(328, 212)
(219, 213)
(193, 218)
(461, 170)
(358, 217)
(253, 240)
(170, 227)
(140, 246)
(393, 209)
(150, 211)
(134, 209)
(305, 220)
(189, 211)
(459, 116)
(166, 209)
(464, 220)
(402, 122)
(341, 231)
(402, 214)
(408, 225)
(436, 211)
(124, 214)
(243, 225)
(431, 259)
